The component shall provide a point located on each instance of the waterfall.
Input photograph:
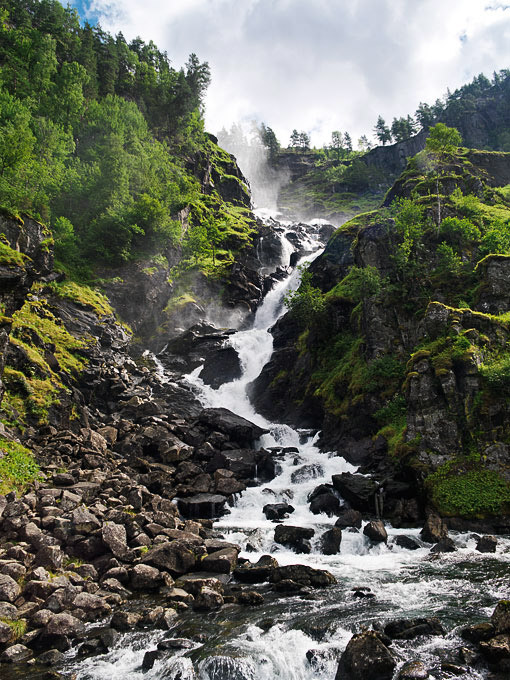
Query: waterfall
(301, 637)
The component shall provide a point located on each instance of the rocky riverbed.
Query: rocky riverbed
(118, 534)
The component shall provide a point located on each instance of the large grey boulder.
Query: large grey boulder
(366, 657)
(9, 589)
(173, 557)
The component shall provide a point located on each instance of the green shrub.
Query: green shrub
(497, 374)
(306, 303)
(459, 231)
(18, 468)
(468, 493)
(448, 260)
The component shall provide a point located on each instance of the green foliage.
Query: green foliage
(9, 256)
(384, 373)
(306, 304)
(442, 141)
(394, 410)
(459, 231)
(18, 627)
(448, 260)
(49, 358)
(477, 492)
(496, 374)
(360, 283)
(18, 468)
(467, 206)
(409, 228)
(496, 239)
(83, 295)
(95, 134)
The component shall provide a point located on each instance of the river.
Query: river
(300, 637)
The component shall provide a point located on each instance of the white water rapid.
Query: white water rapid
(272, 641)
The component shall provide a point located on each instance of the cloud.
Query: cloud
(322, 65)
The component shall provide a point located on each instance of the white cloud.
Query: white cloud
(321, 65)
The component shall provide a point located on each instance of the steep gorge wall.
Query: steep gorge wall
(407, 381)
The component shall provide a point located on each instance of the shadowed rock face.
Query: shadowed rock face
(366, 657)
(26, 237)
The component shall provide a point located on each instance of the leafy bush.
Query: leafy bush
(496, 239)
(360, 283)
(307, 303)
(497, 374)
(448, 260)
(18, 468)
(470, 493)
(459, 231)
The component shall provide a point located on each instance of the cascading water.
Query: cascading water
(272, 641)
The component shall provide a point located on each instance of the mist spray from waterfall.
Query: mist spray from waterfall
(245, 143)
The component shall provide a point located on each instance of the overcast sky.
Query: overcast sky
(319, 65)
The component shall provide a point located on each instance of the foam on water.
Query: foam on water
(406, 583)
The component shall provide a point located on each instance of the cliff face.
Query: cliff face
(159, 296)
(25, 255)
(409, 355)
(482, 124)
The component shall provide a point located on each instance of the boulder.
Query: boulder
(193, 583)
(250, 598)
(150, 657)
(16, 654)
(258, 572)
(434, 529)
(203, 505)
(478, 632)
(277, 511)
(51, 658)
(326, 503)
(366, 657)
(487, 544)
(376, 531)
(302, 574)
(221, 561)
(115, 538)
(443, 546)
(237, 428)
(228, 668)
(407, 542)
(125, 621)
(247, 464)
(330, 541)
(59, 631)
(9, 589)
(497, 650)
(294, 537)
(413, 670)
(348, 518)
(288, 587)
(93, 606)
(500, 618)
(208, 599)
(6, 633)
(49, 557)
(173, 557)
(145, 577)
(221, 366)
(307, 472)
(408, 629)
(357, 490)
(83, 521)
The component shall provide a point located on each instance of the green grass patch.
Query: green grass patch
(82, 295)
(18, 469)
(474, 493)
(10, 257)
